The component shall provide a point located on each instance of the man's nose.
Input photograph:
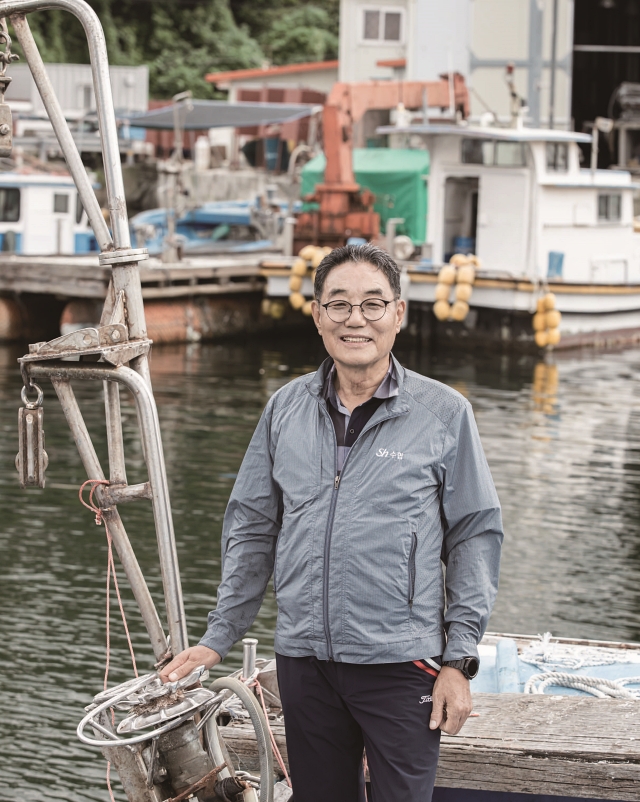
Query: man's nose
(356, 318)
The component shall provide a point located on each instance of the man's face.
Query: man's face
(358, 342)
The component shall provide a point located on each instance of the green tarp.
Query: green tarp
(396, 178)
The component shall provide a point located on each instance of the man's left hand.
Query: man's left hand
(451, 701)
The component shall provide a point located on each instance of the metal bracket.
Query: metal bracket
(122, 256)
(31, 460)
(111, 342)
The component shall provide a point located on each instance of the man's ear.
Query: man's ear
(315, 313)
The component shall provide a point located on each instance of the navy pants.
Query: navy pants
(333, 711)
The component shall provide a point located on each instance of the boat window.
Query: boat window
(492, 153)
(60, 203)
(610, 207)
(9, 205)
(558, 156)
(510, 154)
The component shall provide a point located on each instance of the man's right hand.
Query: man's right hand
(188, 660)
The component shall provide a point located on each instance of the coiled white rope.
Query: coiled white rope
(557, 656)
(603, 688)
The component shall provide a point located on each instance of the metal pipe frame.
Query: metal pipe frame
(150, 434)
(104, 101)
(63, 133)
(132, 569)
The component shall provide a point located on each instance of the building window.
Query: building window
(493, 153)
(61, 203)
(9, 205)
(381, 25)
(558, 156)
(610, 207)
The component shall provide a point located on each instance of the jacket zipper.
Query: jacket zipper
(329, 530)
(412, 567)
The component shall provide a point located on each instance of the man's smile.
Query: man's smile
(350, 339)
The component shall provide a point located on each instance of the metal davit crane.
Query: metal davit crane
(344, 209)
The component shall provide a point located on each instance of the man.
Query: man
(359, 480)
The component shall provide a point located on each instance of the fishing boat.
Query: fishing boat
(42, 214)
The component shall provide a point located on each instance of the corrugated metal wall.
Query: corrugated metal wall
(73, 86)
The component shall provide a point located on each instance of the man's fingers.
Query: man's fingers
(437, 711)
(175, 669)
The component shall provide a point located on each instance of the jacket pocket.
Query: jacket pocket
(275, 569)
(412, 567)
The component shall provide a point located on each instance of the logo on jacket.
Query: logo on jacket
(384, 452)
(424, 699)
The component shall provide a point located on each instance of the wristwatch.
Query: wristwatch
(468, 665)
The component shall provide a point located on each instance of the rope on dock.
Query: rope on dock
(549, 656)
(596, 686)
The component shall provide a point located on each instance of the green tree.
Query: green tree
(299, 35)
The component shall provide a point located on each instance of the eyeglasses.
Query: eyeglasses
(372, 309)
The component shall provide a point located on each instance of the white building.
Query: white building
(477, 38)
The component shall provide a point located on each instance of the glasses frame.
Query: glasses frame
(352, 307)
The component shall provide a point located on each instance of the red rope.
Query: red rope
(111, 572)
(274, 745)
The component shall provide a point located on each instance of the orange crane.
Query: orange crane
(344, 209)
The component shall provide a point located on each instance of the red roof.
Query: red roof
(287, 69)
(392, 62)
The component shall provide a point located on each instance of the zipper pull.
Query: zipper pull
(336, 482)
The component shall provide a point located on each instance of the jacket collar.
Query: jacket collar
(397, 404)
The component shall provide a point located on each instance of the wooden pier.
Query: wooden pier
(198, 298)
(572, 746)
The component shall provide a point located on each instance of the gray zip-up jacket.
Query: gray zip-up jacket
(357, 558)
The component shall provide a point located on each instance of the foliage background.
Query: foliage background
(183, 40)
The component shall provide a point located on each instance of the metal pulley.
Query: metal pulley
(6, 121)
(31, 459)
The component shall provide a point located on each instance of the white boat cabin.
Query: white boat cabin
(520, 200)
(42, 214)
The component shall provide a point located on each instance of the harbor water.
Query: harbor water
(562, 439)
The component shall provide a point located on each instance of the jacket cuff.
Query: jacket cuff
(457, 649)
(218, 642)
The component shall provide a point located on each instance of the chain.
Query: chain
(6, 57)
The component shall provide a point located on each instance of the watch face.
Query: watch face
(472, 666)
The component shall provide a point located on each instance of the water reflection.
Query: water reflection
(563, 443)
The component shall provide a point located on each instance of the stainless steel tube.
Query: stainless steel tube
(150, 433)
(122, 543)
(104, 102)
(117, 469)
(249, 647)
(67, 144)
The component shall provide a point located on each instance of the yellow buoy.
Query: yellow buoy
(307, 252)
(553, 336)
(549, 301)
(277, 310)
(265, 306)
(441, 310)
(539, 321)
(442, 292)
(553, 319)
(317, 257)
(459, 259)
(459, 310)
(466, 274)
(299, 267)
(306, 309)
(542, 338)
(296, 299)
(326, 250)
(540, 306)
(475, 260)
(463, 291)
(447, 275)
(295, 283)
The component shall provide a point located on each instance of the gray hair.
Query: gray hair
(358, 254)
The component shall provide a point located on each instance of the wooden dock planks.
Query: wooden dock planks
(82, 277)
(558, 745)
